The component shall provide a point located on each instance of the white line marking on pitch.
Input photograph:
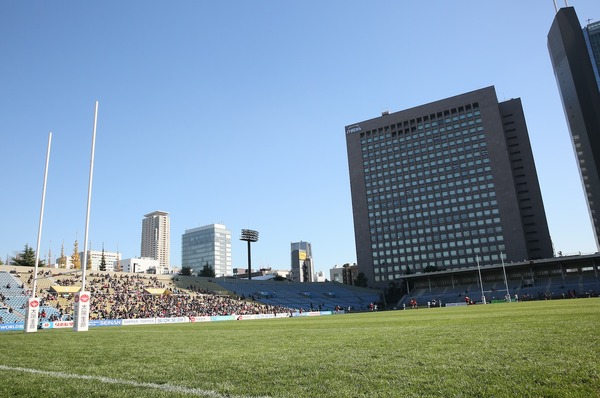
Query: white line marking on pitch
(164, 387)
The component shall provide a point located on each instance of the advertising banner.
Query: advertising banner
(199, 319)
(105, 322)
(5, 327)
(61, 324)
(222, 318)
(254, 316)
(139, 321)
(459, 304)
(82, 311)
(31, 316)
(179, 319)
(47, 325)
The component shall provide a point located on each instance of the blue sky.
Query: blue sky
(233, 112)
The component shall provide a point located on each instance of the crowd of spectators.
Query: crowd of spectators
(122, 296)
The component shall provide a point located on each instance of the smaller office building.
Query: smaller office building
(303, 267)
(209, 244)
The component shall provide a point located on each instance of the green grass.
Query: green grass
(529, 349)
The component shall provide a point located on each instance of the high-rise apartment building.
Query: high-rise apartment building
(445, 185)
(210, 244)
(575, 56)
(302, 262)
(156, 237)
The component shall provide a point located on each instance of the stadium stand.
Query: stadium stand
(563, 277)
(305, 296)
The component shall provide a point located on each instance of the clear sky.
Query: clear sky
(233, 112)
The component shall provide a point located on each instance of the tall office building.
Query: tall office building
(302, 262)
(210, 244)
(591, 33)
(444, 185)
(156, 237)
(575, 55)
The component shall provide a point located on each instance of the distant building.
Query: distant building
(156, 237)
(303, 268)
(346, 273)
(319, 276)
(335, 273)
(591, 33)
(575, 56)
(444, 185)
(210, 244)
(143, 265)
(95, 258)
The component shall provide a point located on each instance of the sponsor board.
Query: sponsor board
(199, 319)
(254, 316)
(105, 322)
(309, 313)
(139, 321)
(4, 327)
(179, 319)
(222, 318)
(455, 304)
(61, 324)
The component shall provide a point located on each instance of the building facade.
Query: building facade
(591, 34)
(210, 244)
(142, 265)
(346, 273)
(445, 185)
(574, 54)
(156, 237)
(95, 259)
(303, 268)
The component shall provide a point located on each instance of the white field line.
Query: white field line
(164, 387)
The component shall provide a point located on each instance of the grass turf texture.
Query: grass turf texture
(529, 349)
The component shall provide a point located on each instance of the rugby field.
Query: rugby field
(527, 349)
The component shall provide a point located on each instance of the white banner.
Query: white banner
(31, 316)
(180, 319)
(139, 321)
(82, 311)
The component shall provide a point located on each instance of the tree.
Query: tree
(408, 270)
(185, 271)
(103, 260)
(207, 271)
(26, 258)
(118, 267)
(431, 268)
(75, 256)
(62, 261)
(361, 280)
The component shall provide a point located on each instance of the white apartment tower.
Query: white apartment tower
(156, 237)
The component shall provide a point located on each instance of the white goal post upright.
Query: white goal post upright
(82, 299)
(33, 304)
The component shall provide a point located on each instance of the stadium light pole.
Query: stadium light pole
(249, 236)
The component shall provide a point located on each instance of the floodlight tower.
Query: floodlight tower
(249, 236)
